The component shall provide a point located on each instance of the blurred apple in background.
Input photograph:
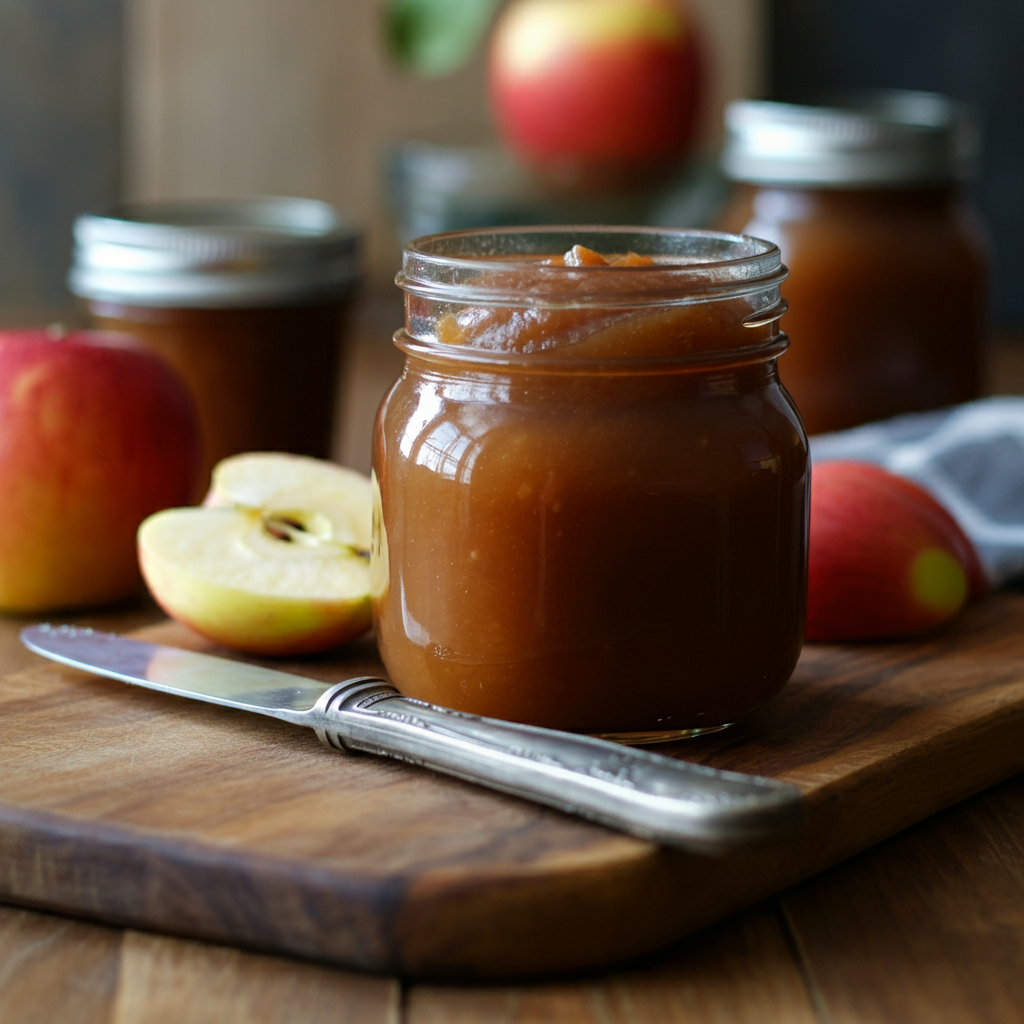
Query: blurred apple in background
(96, 433)
(885, 558)
(599, 93)
(276, 562)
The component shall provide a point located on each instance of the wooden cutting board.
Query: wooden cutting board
(147, 810)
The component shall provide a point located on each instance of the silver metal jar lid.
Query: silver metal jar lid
(215, 254)
(877, 137)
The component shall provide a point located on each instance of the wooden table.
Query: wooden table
(927, 926)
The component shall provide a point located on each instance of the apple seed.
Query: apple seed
(313, 529)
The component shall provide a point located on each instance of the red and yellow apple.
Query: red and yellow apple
(275, 562)
(604, 91)
(96, 433)
(885, 558)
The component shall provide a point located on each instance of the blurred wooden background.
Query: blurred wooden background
(297, 97)
(109, 99)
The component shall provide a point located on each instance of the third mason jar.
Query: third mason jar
(591, 487)
(245, 298)
(888, 277)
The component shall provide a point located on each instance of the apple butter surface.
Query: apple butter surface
(592, 487)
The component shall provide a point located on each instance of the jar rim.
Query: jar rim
(484, 266)
(864, 137)
(259, 251)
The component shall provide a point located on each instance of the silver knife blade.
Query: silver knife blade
(655, 797)
(235, 684)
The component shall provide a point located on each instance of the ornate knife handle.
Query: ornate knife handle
(648, 795)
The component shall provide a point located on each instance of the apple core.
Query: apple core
(277, 560)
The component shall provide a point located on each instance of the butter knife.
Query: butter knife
(648, 795)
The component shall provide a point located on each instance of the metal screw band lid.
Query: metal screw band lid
(871, 138)
(215, 254)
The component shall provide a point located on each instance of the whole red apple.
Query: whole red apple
(605, 91)
(885, 559)
(95, 434)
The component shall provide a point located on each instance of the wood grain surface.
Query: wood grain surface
(744, 973)
(142, 809)
(957, 957)
(959, 933)
(54, 969)
(925, 927)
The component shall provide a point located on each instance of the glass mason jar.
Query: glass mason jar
(888, 276)
(245, 298)
(592, 489)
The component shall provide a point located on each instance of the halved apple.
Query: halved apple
(275, 562)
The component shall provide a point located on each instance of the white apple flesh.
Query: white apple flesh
(275, 563)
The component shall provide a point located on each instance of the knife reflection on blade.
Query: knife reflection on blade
(648, 795)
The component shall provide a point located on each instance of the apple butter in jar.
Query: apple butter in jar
(592, 489)
(245, 298)
(888, 277)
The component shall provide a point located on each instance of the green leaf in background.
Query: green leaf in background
(436, 37)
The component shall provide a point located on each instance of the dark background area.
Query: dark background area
(971, 50)
(60, 91)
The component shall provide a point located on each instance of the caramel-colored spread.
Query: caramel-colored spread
(887, 295)
(596, 538)
(263, 378)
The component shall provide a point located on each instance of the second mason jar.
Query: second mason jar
(246, 298)
(888, 277)
(592, 490)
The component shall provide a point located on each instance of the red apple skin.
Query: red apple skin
(614, 102)
(885, 559)
(95, 434)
